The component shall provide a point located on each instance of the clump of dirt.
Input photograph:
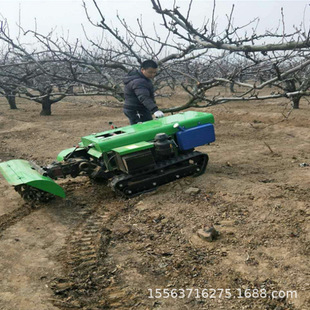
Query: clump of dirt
(95, 250)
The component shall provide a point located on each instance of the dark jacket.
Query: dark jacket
(139, 92)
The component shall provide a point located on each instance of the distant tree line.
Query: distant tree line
(200, 59)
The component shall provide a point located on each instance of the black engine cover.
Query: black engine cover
(136, 162)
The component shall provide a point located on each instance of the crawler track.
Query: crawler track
(193, 163)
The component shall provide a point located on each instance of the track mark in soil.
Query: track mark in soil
(90, 280)
(11, 218)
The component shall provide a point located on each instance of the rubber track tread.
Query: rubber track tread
(165, 172)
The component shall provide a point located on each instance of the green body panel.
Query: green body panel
(19, 171)
(64, 153)
(123, 150)
(115, 138)
(61, 156)
(94, 152)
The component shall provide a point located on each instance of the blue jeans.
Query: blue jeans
(136, 116)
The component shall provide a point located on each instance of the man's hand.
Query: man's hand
(159, 114)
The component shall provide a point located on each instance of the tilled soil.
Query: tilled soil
(94, 250)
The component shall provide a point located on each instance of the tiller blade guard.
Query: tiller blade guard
(22, 173)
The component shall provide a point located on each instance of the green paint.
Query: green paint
(19, 171)
(111, 139)
(133, 148)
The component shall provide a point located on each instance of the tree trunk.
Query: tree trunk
(46, 106)
(295, 102)
(12, 101)
(232, 85)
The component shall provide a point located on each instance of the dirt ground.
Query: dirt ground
(94, 250)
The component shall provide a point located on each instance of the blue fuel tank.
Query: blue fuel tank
(196, 136)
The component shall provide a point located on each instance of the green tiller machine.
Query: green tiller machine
(132, 159)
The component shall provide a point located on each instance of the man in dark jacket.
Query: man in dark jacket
(139, 94)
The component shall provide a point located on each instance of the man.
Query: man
(139, 94)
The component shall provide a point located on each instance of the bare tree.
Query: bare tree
(233, 38)
(8, 87)
(191, 58)
(282, 64)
